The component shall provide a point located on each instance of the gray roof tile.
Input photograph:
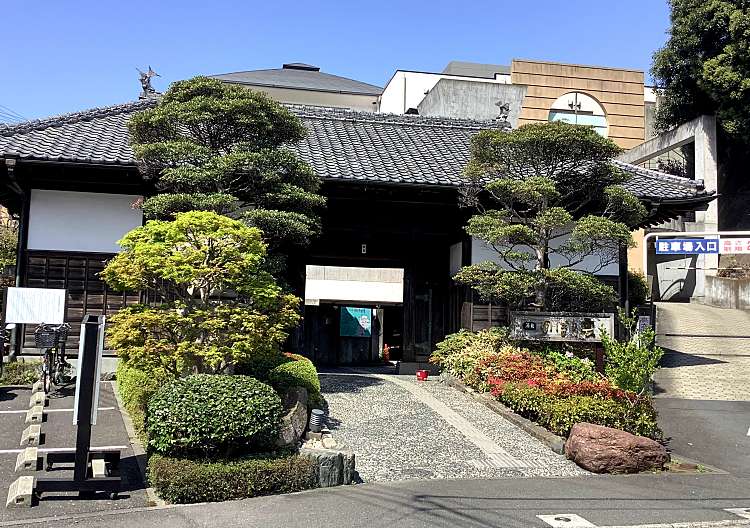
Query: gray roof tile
(301, 77)
(340, 145)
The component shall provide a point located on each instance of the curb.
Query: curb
(554, 442)
(138, 451)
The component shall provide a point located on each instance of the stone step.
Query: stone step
(21, 492)
(35, 415)
(38, 398)
(27, 459)
(31, 435)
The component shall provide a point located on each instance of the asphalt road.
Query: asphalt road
(712, 432)
(58, 432)
(512, 503)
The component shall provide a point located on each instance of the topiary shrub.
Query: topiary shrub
(259, 364)
(213, 415)
(297, 373)
(136, 388)
(187, 481)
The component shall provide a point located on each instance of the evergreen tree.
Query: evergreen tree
(551, 205)
(211, 146)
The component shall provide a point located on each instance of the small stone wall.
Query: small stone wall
(723, 292)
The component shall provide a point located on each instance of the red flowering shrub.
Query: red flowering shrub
(527, 369)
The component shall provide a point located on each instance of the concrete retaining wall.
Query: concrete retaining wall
(727, 293)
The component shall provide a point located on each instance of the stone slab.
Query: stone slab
(38, 398)
(20, 492)
(37, 386)
(27, 460)
(35, 415)
(31, 435)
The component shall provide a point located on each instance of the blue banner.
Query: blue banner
(687, 246)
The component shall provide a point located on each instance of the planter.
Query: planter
(723, 292)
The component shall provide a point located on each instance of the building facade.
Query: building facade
(392, 224)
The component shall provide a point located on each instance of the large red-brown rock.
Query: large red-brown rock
(605, 450)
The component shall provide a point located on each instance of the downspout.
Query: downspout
(23, 235)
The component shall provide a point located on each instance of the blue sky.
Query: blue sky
(65, 55)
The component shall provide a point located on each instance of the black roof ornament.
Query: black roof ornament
(148, 90)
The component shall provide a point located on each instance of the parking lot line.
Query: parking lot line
(62, 449)
(54, 410)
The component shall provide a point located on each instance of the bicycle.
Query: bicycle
(50, 340)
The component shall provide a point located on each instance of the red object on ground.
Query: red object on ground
(422, 375)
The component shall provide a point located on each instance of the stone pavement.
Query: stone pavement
(401, 429)
(707, 352)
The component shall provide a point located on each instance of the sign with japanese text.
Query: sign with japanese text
(560, 326)
(735, 246)
(687, 246)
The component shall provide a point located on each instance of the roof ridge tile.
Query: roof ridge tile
(75, 117)
(657, 175)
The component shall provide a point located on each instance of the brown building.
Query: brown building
(611, 99)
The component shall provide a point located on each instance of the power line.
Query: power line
(8, 114)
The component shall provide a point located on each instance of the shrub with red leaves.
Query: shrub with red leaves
(525, 368)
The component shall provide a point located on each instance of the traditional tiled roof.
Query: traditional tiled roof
(411, 149)
(647, 183)
(340, 145)
(98, 136)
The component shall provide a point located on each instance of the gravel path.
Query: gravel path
(397, 436)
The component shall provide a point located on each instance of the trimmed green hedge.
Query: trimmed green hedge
(136, 388)
(300, 372)
(20, 373)
(259, 364)
(559, 415)
(213, 415)
(187, 481)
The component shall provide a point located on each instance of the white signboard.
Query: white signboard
(35, 306)
(560, 326)
(734, 246)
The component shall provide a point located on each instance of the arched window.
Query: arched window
(579, 109)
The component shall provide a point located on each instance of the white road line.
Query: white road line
(566, 520)
(739, 512)
(54, 410)
(748, 431)
(62, 449)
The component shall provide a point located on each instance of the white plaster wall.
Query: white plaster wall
(407, 89)
(80, 221)
(481, 252)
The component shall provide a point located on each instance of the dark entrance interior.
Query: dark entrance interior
(331, 341)
(388, 226)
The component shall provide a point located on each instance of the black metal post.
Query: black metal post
(86, 387)
(623, 277)
(87, 383)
